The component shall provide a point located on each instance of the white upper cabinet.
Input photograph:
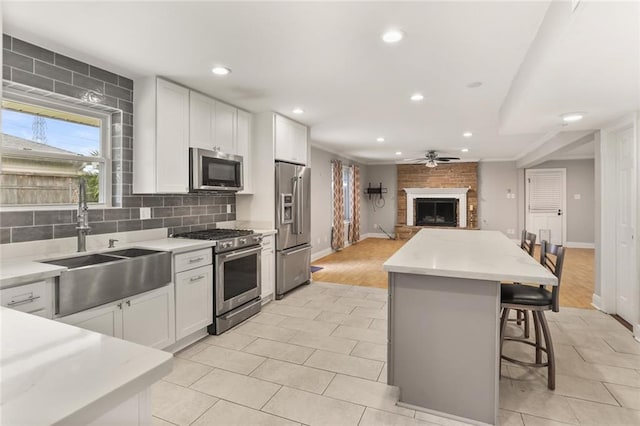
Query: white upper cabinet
(202, 110)
(160, 151)
(290, 140)
(225, 128)
(243, 148)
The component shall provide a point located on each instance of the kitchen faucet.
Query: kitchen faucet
(83, 216)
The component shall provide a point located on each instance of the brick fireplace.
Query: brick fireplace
(444, 181)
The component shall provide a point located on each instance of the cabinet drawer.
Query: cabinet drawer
(30, 298)
(193, 259)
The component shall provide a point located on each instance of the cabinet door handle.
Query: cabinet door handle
(128, 302)
(198, 278)
(22, 302)
(120, 305)
(196, 259)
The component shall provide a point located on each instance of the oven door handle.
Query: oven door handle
(238, 253)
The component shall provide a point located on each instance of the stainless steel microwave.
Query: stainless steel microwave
(214, 171)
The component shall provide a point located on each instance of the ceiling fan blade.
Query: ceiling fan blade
(442, 160)
(447, 158)
(422, 159)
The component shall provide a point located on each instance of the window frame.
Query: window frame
(104, 160)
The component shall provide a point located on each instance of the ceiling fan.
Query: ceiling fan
(431, 159)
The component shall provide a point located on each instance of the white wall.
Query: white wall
(385, 216)
(321, 198)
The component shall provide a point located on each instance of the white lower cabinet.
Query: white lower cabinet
(147, 318)
(268, 268)
(194, 300)
(105, 319)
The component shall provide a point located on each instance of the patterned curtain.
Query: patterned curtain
(337, 230)
(354, 227)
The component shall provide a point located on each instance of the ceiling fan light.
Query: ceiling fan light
(431, 164)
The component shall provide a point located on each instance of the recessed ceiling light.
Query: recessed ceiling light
(392, 36)
(467, 134)
(474, 84)
(298, 111)
(221, 70)
(398, 153)
(465, 150)
(417, 97)
(380, 139)
(572, 117)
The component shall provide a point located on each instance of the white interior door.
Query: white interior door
(626, 287)
(546, 204)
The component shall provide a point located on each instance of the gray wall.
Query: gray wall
(321, 210)
(385, 216)
(496, 212)
(45, 70)
(580, 213)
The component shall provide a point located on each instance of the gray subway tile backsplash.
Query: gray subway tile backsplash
(32, 50)
(29, 79)
(103, 75)
(32, 65)
(31, 233)
(11, 219)
(56, 73)
(71, 64)
(117, 214)
(17, 60)
(53, 217)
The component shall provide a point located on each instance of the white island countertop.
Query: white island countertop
(482, 255)
(54, 373)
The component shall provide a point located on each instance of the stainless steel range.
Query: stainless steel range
(237, 277)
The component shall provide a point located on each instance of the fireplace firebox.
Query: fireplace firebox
(436, 212)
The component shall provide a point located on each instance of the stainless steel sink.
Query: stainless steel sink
(82, 261)
(96, 279)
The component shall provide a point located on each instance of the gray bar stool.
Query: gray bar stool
(537, 300)
(528, 244)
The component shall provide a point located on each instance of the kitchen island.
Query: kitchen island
(57, 374)
(444, 314)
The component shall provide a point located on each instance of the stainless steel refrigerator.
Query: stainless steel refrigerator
(293, 222)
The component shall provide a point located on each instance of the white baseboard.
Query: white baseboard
(321, 253)
(375, 235)
(596, 302)
(569, 244)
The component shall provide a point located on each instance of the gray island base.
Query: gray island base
(444, 309)
(443, 345)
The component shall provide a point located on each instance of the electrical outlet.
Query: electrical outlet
(228, 208)
(145, 213)
(511, 231)
(577, 196)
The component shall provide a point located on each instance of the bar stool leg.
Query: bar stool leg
(526, 324)
(536, 329)
(503, 326)
(551, 374)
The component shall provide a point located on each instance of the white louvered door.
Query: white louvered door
(545, 195)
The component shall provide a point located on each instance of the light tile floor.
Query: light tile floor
(319, 357)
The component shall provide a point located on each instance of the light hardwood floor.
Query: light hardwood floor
(361, 264)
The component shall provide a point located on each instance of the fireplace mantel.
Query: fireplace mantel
(459, 193)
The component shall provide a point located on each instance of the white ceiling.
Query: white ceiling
(328, 59)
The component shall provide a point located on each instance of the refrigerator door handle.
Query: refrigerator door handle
(295, 224)
(300, 219)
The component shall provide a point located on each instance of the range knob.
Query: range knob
(257, 238)
(243, 241)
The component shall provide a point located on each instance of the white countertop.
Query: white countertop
(482, 255)
(54, 373)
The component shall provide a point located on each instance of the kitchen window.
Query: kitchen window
(46, 146)
(347, 175)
